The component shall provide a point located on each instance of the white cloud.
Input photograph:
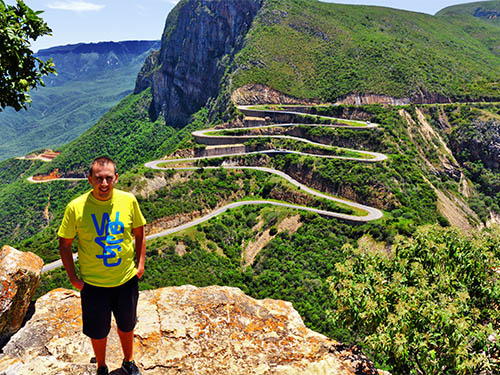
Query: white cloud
(75, 6)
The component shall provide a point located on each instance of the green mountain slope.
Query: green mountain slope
(91, 79)
(310, 49)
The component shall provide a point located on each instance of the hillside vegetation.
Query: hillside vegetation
(310, 49)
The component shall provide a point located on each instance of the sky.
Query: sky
(77, 21)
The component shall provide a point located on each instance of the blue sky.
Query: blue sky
(75, 21)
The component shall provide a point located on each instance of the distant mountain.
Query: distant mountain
(486, 10)
(92, 78)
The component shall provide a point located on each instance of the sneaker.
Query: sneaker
(103, 370)
(130, 368)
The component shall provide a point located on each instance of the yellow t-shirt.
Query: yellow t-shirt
(106, 251)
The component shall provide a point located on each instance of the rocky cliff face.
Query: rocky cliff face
(188, 330)
(199, 42)
(481, 140)
(257, 94)
(487, 13)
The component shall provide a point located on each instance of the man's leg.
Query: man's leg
(96, 316)
(128, 365)
(125, 311)
(99, 346)
(127, 341)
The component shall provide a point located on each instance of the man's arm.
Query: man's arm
(67, 259)
(140, 249)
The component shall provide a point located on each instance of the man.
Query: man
(106, 221)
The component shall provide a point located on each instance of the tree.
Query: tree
(20, 70)
(430, 307)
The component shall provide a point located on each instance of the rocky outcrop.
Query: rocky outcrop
(146, 74)
(487, 13)
(198, 44)
(188, 330)
(480, 139)
(252, 94)
(260, 94)
(19, 278)
(362, 99)
(420, 97)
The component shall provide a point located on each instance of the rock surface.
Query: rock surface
(19, 278)
(183, 330)
(199, 41)
(258, 94)
(480, 139)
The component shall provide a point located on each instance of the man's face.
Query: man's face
(103, 181)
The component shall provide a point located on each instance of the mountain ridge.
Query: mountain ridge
(127, 45)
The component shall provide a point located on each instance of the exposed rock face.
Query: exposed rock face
(356, 99)
(260, 94)
(183, 330)
(420, 97)
(487, 13)
(19, 278)
(481, 139)
(198, 43)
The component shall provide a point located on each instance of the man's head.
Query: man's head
(102, 176)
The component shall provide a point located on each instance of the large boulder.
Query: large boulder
(183, 330)
(19, 278)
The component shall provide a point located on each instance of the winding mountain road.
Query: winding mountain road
(210, 136)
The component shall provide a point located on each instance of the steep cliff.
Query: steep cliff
(188, 330)
(198, 44)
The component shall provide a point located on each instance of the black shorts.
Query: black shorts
(99, 302)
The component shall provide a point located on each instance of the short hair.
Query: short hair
(102, 160)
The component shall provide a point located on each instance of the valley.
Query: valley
(342, 158)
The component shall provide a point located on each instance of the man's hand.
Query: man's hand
(140, 271)
(78, 284)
